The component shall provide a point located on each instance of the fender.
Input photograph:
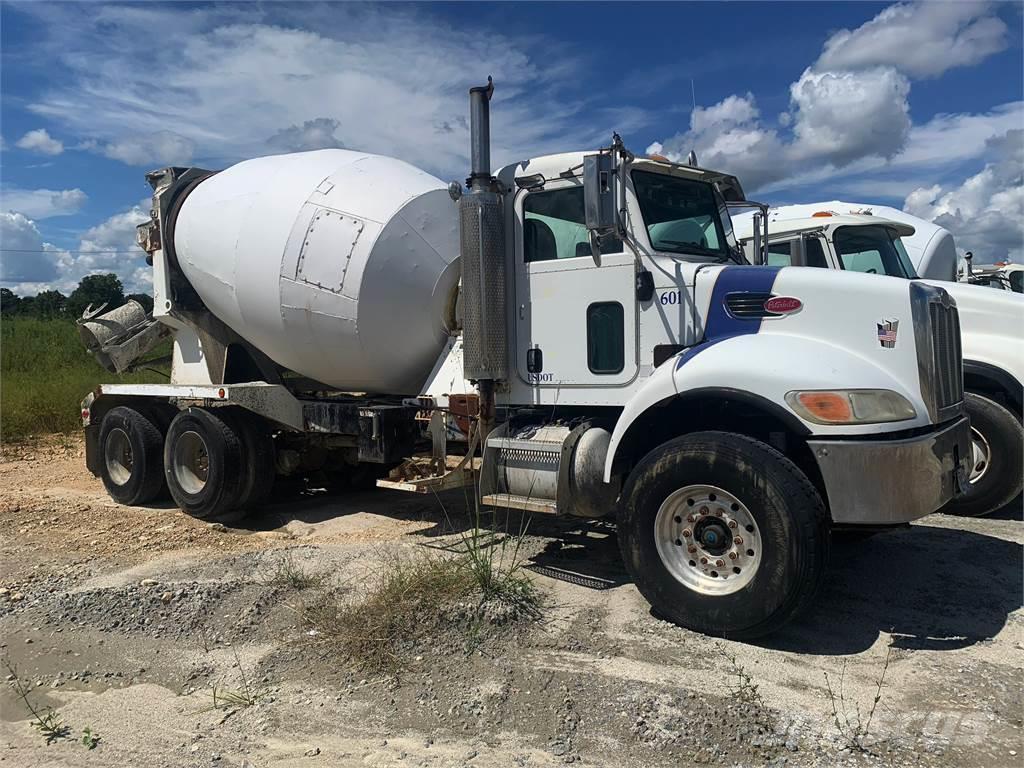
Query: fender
(750, 360)
(1004, 380)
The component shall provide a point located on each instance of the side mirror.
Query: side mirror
(595, 247)
(599, 193)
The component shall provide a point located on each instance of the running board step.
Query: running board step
(511, 501)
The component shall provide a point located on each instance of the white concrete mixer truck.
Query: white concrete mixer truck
(581, 322)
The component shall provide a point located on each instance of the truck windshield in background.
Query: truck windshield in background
(681, 215)
(872, 249)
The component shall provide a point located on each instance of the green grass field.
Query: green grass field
(44, 374)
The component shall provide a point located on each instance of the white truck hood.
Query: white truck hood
(990, 325)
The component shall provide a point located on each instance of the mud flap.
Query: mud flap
(93, 452)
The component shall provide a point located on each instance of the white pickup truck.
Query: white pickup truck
(857, 239)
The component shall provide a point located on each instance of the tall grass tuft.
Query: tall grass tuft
(419, 600)
(45, 372)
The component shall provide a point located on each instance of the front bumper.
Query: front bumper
(888, 482)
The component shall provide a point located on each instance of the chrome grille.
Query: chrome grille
(939, 361)
(748, 305)
(949, 371)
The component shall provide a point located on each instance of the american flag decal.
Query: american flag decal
(887, 333)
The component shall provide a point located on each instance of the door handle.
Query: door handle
(534, 360)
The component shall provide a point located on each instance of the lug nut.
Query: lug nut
(704, 510)
(732, 555)
(737, 540)
(691, 549)
(719, 512)
(719, 563)
(686, 533)
(690, 518)
(703, 561)
(732, 523)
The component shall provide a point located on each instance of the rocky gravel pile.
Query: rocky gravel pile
(159, 610)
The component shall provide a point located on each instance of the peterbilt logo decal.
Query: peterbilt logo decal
(887, 330)
(783, 305)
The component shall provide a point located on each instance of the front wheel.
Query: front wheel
(723, 534)
(996, 473)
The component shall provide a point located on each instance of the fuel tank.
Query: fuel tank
(341, 266)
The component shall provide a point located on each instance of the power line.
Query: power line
(65, 250)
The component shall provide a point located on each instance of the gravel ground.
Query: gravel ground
(126, 620)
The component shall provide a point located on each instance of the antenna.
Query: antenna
(693, 95)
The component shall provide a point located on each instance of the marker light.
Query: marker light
(821, 215)
(851, 406)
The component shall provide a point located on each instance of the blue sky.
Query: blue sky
(917, 105)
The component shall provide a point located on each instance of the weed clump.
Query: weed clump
(288, 574)
(412, 601)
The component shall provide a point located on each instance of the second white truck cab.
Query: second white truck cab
(816, 235)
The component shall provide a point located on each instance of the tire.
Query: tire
(771, 502)
(203, 463)
(131, 451)
(999, 442)
(258, 466)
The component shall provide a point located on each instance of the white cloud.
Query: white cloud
(24, 257)
(842, 116)
(40, 140)
(42, 203)
(836, 119)
(849, 113)
(231, 82)
(921, 39)
(943, 143)
(159, 148)
(31, 265)
(312, 134)
(985, 212)
(110, 245)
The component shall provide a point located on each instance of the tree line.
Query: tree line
(93, 289)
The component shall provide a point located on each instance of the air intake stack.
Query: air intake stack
(482, 249)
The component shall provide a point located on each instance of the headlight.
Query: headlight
(850, 406)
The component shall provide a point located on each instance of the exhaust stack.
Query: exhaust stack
(482, 246)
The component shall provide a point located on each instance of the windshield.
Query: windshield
(872, 249)
(681, 215)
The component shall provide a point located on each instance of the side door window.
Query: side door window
(1017, 281)
(814, 253)
(554, 227)
(780, 254)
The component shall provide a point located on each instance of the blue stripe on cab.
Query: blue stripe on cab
(720, 324)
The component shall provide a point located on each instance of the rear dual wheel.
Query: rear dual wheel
(219, 463)
(131, 447)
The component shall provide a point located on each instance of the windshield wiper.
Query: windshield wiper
(696, 249)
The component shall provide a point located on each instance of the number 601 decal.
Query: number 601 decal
(671, 297)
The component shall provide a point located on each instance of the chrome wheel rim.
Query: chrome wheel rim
(708, 540)
(191, 462)
(982, 456)
(118, 457)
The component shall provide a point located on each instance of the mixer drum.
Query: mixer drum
(338, 265)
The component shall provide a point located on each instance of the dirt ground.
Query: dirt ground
(125, 619)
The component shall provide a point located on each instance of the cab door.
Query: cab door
(575, 321)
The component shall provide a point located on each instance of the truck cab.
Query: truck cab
(993, 349)
(656, 378)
